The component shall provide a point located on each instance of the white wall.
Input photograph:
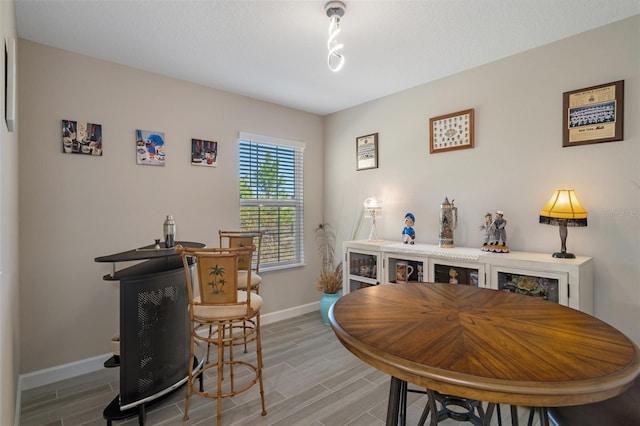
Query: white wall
(517, 162)
(75, 208)
(9, 306)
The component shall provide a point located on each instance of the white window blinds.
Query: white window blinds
(271, 197)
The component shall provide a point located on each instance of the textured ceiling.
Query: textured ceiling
(276, 50)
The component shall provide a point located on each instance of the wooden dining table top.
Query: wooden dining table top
(485, 344)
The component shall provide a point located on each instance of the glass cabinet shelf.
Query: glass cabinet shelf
(543, 284)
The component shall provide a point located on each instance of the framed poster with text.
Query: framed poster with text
(367, 152)
(593, 114)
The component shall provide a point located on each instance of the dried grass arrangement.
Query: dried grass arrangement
(330, 280)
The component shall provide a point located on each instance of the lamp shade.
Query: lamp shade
(563, 206)
(372, 203)
(372, 208)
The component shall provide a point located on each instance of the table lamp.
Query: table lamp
(563, 209)
(372, 208)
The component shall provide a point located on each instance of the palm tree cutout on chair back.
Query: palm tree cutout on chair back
(218, 279)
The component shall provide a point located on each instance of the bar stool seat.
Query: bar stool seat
(256, 280)
(622, 410)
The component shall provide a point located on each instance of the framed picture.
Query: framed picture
(10, 83)
(593, 114)
(204, 153)
(79, 137)
(367, 152)
(451, 131)
(150, 148)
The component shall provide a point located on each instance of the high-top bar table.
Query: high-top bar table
(154, 328)
(485, 345)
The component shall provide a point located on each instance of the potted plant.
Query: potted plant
(330, 280)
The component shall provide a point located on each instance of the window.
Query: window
(271, 197)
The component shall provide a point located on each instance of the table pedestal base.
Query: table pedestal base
(542, 412)
(397, 408)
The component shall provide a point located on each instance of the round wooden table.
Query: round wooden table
(485, 345)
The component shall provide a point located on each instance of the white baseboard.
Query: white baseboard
(289, 313)
(66, 371)
(62, 372)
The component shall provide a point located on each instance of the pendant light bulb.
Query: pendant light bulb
(335, 59)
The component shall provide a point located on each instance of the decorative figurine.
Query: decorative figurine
(497, 235)
(448, 222)
(420, 272)
(408, 234)
(486, 228)
(453, 276)
(500, 233)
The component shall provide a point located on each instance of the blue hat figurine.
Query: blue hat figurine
(408, 234)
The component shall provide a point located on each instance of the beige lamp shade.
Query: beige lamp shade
(564, 204)
(563, 209)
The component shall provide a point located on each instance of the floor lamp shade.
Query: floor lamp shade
(563, 209)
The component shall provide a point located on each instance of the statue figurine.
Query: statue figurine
(495, 234)
(486, 228)
(453, 276)
(408, 234)
(499, 232)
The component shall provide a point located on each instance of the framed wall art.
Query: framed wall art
(367, 152)
(204, 153)
(10, 83)
(79, 137)
(451, 132)
(150, 148)
(593, 115)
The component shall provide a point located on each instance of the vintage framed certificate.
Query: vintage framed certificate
(451, 131)
(367, 152)
(593, 114)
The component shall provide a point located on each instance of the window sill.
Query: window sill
(281, 267)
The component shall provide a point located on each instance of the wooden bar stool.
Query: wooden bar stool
(246, 264)
(224, 310)
(230, 239)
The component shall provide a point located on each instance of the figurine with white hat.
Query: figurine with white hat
(497, 234)
(499, 224)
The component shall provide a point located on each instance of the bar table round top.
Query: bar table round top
(485, 344)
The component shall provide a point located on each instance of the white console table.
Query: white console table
(566, 281)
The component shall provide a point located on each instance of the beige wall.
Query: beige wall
(517, 162)
(75, 208)
(9, 305)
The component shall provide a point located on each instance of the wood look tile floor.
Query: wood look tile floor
(310, 379)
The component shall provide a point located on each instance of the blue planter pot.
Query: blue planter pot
(325, 303)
